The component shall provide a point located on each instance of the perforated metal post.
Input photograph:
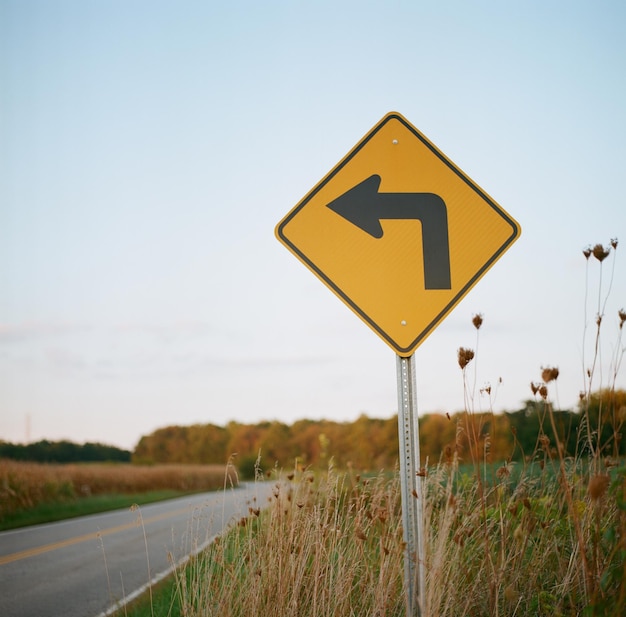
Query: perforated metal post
(411, 487)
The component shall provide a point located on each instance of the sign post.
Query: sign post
(411, 483)
(400, 234)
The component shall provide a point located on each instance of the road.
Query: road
(82, 567)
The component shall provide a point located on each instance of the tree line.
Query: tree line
(372, 443)
(367, 443)
(63, 452)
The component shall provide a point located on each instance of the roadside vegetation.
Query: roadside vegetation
(539, 532)
(524, 512)
(328, 543)
(35, 492)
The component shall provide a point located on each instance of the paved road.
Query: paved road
(82, 567)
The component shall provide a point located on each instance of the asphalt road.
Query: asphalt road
(83, 567)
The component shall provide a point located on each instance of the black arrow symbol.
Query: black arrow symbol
(365, 207)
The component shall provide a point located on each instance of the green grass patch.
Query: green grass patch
(162, 600)
(60, 510)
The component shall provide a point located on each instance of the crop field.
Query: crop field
(27, 486)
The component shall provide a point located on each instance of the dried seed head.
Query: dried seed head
(543, 391)
(477, 320)
(465, 356)
(622, 317)
(549, 374)
(581, 395)
(614, 242)
(587, 252)
(598, 320)
(597, 486)
(600, 253)
(503, 472)
(534, 387)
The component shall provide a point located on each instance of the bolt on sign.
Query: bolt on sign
(398, 232)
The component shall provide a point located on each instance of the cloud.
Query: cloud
(36, 330)
(64, 360)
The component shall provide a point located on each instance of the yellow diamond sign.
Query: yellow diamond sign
(398, 232)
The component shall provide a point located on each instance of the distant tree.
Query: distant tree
(63, 452)
(277, 446)
(437, 432)
(533, 421)
(605, 411)
(372, 444)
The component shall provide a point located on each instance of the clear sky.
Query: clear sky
(149, 148)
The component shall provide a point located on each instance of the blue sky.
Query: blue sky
(148, 149)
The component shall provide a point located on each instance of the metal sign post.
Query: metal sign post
(411, 487)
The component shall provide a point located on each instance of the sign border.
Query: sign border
(280, 234)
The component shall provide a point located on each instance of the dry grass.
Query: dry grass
(548, 540)
(552, 543)
(329, 544)
(26, 485)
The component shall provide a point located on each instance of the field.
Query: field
(34, 492)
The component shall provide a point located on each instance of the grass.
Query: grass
(36, 493)
(57, 511)
(543, 537)
(331, 544)
(326, 544)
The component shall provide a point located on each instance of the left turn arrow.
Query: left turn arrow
(365, 207)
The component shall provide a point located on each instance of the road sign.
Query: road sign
(398, 232)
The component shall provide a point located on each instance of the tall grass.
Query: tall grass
(327, 544)
(545, 536)
(26, 485)
(331, 544)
